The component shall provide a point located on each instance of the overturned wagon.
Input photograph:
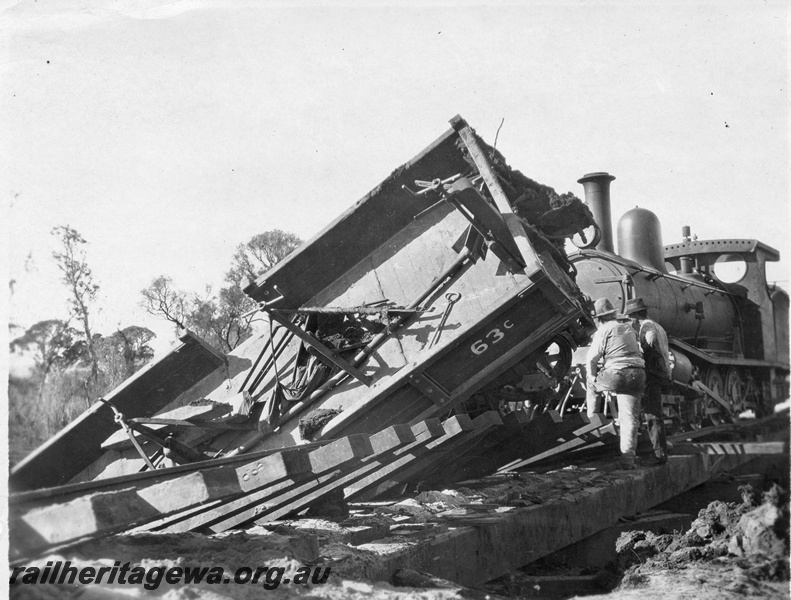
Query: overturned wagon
(446, 280)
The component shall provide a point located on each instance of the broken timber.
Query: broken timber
(37, 524)
(472, 555)
(271, 485)
(442, 456)
(577, 438)
(267, 485)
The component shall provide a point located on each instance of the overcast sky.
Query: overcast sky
(169, 132)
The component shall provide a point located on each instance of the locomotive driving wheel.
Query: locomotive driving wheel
(715, 411)
(735, 390)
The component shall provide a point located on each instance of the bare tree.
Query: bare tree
(160, 299)
(218, 318)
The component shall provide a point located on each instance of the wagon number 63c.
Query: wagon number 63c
(494, 336)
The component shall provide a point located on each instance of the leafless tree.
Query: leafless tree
(161, 299)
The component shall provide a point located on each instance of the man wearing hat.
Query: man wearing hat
(656, 353)
(615, 364)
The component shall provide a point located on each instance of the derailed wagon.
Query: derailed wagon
(445, 281)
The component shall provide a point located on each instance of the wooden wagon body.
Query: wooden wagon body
(406, 249)
(440, 224)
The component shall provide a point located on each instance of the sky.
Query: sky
(167, 133)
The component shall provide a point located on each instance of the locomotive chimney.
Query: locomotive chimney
(597, 196)
(687, 262)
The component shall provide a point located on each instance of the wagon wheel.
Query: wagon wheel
(558, 355)
(714, 410)
(735, 390)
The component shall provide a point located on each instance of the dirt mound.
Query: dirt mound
(737, 548)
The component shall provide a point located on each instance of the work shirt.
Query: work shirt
(616, 344)
(656, 350)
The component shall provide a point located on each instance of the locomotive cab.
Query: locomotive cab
(739, 266)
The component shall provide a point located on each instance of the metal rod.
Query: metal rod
(201, 424)
(568, 394)
(257, 360)
(279, 349)
(119, 418)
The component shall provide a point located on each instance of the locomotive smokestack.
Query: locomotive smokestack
(597, 196)
(687, 262)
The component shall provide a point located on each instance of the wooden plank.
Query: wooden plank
(550, 436)
(537, 435)
(600, 441)
(368, 487)
(512, 222)
(370, 223)
(282, 461)
(490, 444)
(442, 458)
(578, 439)
(121, 509)
(330, 458)
(386, 442)
(487, 221)
(747, 448)
(340, 451)
(163, 523)
(390, 438)
(106, 512)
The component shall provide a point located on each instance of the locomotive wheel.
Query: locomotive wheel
(735, 390)
(714, 410)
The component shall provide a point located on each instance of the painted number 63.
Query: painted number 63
(491, 338)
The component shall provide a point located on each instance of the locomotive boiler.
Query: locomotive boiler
(727, 328)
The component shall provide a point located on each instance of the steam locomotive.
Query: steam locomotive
(727, 327)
